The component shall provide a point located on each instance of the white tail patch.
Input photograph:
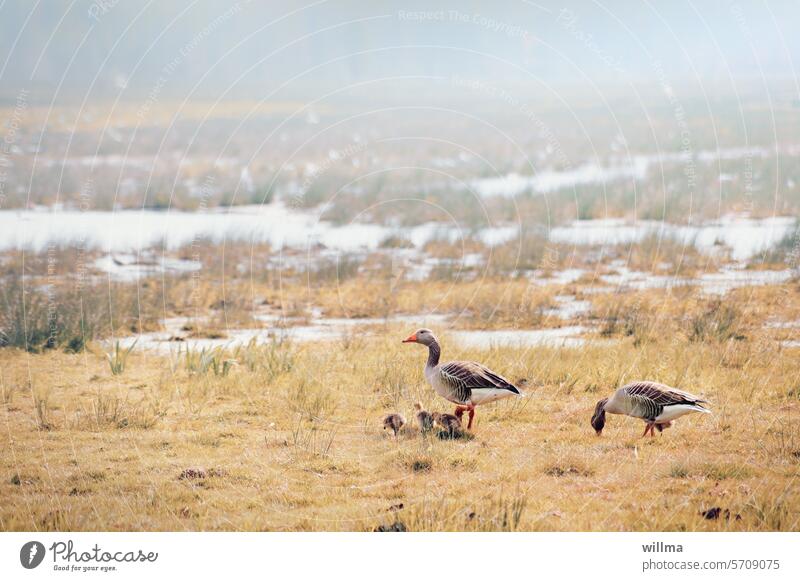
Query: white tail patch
(673, 412)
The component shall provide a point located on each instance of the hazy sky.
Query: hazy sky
(105, 47)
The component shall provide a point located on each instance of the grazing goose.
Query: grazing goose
(394, 422)
(424, 418)
(657, 404)
(465, 383)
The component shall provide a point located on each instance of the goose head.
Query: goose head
(422, 336)
(599, 416)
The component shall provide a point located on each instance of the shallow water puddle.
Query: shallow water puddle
(718, 283)
(279, 225)
(174, 338)
(130, 268)
(746, 237)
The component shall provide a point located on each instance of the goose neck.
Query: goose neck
(434, 351)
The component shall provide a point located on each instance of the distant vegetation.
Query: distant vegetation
(340, 168)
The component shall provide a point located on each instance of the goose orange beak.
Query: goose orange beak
(412, 338)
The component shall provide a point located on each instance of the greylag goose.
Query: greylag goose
(394, 422)
(448, 422)
(655, 403)
(464, 383)
(424, 418)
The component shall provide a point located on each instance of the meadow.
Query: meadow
(288, 436)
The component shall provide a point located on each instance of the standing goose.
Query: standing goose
(464, 383)
(655, 403)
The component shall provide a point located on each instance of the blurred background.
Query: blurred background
(618, 143)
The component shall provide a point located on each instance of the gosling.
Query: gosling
(394, 422)
(448, 422)
(424, 418)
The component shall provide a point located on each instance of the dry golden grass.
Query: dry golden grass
(483, 303)
(291, 439)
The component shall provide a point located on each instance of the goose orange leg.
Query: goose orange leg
(460, 409)
(471, 415)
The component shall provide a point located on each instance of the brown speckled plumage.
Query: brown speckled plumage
(424, 418)
(394, 422)
(448, 422)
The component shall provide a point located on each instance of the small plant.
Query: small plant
(312, 399)
(111, 411)
(199, 363)
(174, 360)
(719, 322)
(719, 472)
(7, 392)
(771, 513)
(278, 358)
(249, 355)
(507, 513)
(679, 470)
(221, 367)
(41, 406)
(312, 439)
(118, 357)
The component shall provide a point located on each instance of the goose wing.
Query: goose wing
(468, 375)
(648, 399)
(660, 394)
